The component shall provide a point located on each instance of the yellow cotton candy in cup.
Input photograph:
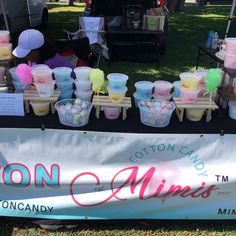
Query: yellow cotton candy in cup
(96, 86)
(97, 79)
(96, 75)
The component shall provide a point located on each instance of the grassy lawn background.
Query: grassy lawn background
(185, 32)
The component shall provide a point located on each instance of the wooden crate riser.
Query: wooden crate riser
(201, 103)
(103, 101)
(32, 95)
(226, 91)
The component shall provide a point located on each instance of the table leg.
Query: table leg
(157, 48)
(208, 118)
(27, 109)
(198, 57)
(97, 114)
(52, 107)
(180, 114)
(124, 113)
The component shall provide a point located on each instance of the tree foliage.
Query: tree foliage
(71, 3)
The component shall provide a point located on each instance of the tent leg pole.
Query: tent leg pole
(230, 18)
(4, 15)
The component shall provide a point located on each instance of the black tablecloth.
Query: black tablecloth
(220, 121)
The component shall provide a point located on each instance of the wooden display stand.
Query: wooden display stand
(202, 103)
(103, 101)
(8, 80)
(32, 95)
(227, 93)
(226, 90)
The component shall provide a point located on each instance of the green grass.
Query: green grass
(62, 17)
(185, 32)
(158, 228)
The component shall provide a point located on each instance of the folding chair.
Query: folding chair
(93, 28)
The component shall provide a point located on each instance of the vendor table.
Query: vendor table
(125, 171)
(204, 51)
(220, 121)
(135, 45)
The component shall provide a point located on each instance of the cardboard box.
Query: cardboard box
(153, 23)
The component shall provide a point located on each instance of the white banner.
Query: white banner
(63, 174)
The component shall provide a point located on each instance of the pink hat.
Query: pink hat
(28, 40)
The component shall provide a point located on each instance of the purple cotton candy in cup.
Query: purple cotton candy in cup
(23, 71)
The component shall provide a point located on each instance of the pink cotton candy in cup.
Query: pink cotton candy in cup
(23, 71)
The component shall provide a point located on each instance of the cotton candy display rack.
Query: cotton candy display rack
(144, 89)
(5, 45)
(40, 108)
(19, 87)
(62, 74)
(2, 76)
(230, 53)
(117, 81)
(83, 84)
(82, 72)
(112, 113)
(156, 113)
(73, 112)
(176, 85)
(162, 90)
(45, 90)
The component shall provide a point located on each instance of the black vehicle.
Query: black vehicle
(213, 2)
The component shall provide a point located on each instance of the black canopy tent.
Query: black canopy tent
(115, 7)
(107, 7)
(3, 10)
(230, 18)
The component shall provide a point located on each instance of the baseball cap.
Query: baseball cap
(28, 40)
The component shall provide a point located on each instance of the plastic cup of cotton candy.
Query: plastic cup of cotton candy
(156, 113)
(73, 112)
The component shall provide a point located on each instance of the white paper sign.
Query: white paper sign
(11, 104)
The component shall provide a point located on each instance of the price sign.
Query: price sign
(11, 104)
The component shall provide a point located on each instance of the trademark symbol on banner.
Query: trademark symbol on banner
(222, 178)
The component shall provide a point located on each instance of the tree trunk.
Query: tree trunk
(71, 3)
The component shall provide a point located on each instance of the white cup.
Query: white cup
(222, 47)
(45, 90)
